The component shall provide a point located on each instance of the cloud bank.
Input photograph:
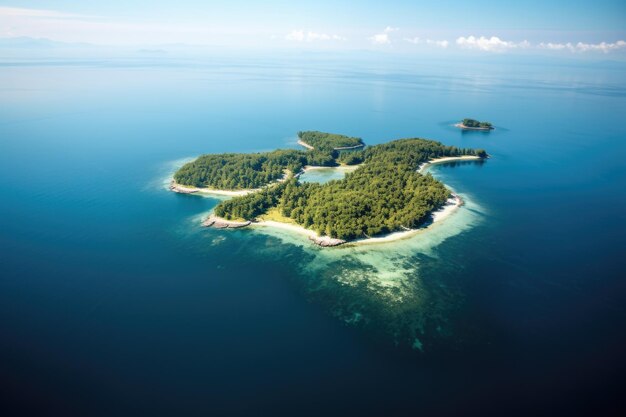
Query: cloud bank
(584, 47)
(383, 38)
(302, 36)
(416, 41)
(493, 44)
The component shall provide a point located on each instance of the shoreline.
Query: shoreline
(347, 148)
(306, 145)
(220, 223)
(449, 208)
(339, 167)
(462, 126)
(324, 241)
(341, 148)
(184, 189)
(424, 166)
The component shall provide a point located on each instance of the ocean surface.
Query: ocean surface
(113, 301)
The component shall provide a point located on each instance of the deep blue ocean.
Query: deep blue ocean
(114, 302)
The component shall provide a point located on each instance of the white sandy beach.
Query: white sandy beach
(306, 145)
(286, 226)
(422, 168)
(232, 193)
(451, 206)
(184, 189)
(340, 167)
(462, 126)
(341, 148)
(446, 211)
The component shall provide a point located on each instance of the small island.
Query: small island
(386, 193)
(472, 124)
(328, 141)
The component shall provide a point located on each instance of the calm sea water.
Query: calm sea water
(114, 302)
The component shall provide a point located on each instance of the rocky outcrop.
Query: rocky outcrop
(326, 241)
(457, 199)
(219, 223)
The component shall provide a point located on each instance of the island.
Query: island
(330, 149)
(388, 192)
(472, 124)
(314, 139)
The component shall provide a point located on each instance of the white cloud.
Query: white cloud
(302, 36)
(380, 39)
(36, 13)
(415, 41)
(295, 35)
(383, 38)
(493, 44)
(312, 36)
(555, 46)
(584, 47)
(441, 44)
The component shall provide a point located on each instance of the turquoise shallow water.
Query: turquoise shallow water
(114, 302)
(322, 175)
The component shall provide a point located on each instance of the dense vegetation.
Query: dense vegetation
(384, 195)
(476, 123)
(252, 205)
(328, 141)
(372, 200)
(413, 152)
(232, 171)
(351, 157)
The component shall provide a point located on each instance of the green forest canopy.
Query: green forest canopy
(235, 171)
(328, 141)
(385, 194)
(476, 123)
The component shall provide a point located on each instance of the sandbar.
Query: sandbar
(422, 168)
(186, 189)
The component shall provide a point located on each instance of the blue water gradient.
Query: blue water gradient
(114, 302)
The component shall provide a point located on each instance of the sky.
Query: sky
(482, 26)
